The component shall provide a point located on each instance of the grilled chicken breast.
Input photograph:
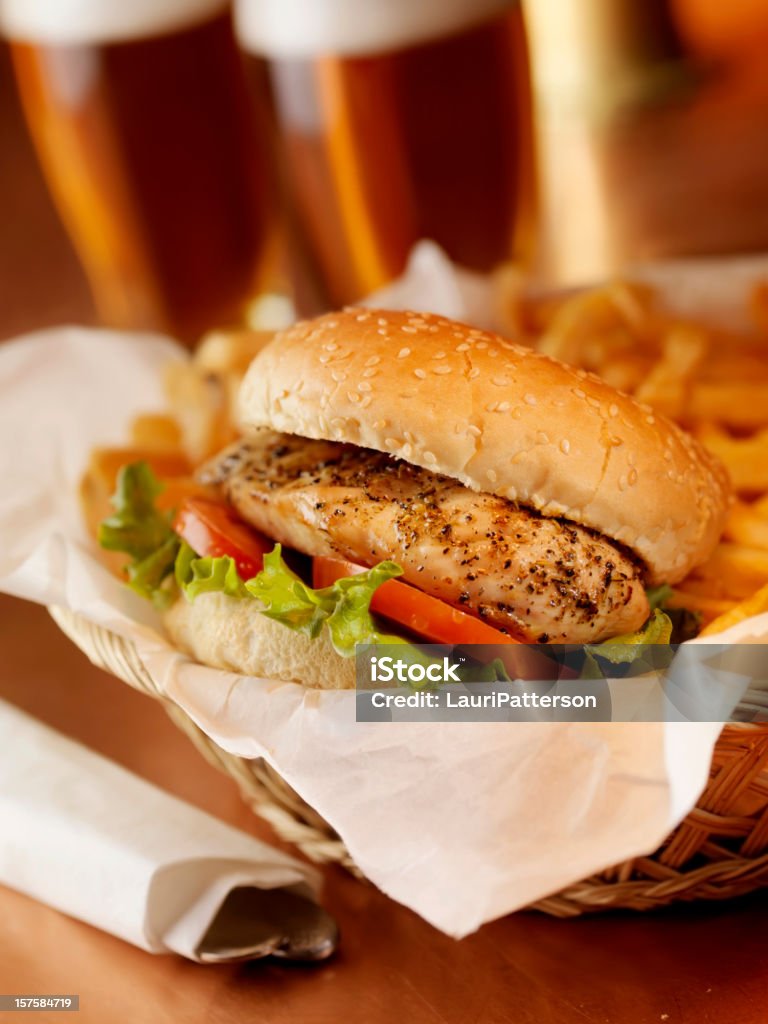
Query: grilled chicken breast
(536, 578)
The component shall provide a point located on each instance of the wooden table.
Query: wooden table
(692, 965)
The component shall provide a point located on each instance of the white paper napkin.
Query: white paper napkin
(96, 842)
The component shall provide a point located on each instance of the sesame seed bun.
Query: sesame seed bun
(500, 418)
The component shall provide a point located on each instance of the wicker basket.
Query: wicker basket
(719, 851)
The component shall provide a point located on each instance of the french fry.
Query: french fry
(667, 386)
(156, 433)
(201, 406)
(708, 607)
(746, 526)
(619, 309)
(734, 367)
(743, 405)
(225, 352)
(733, 570)
(746, 459)
(753, 605)
(625, 371)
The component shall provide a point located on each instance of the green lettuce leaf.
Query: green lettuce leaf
(207, 575)
(685, 622)
(343, 608)
(639, 650)
(143, 532)
(620, 650)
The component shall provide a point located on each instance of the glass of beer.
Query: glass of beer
(398, 120)
(156, 153)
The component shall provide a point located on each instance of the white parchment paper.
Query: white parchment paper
(461, 822)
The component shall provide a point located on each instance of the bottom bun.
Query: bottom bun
(227, 633)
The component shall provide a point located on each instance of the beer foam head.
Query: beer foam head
(100, 21)
(306, 28)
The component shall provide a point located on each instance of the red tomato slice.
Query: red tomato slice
(212, 528)
(421, 613)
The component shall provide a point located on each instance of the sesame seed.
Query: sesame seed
(370, 373)
(331, 346)
(613, 410)
(382, 331)
(430, 457)
(491, 407)
(363, 386)
(379, 424)
(565, 446)
(407, 450)
(530, 399)
(366, 402)
(325, 359)
(408, 330)
(373, 360)
(542, 437)
(382, 321)
(493, 352)
(441, 369)
(408, 436)
(667, 455)
(504, 406)
(492, 475)
(650, 419)
(579, 393)
(500, 382)
(632, 478)
(593, 402)
(622, 483)
(390, 442)
(439, 355)
(463, 347)
(421, 374)
(474, 372)
(362, 317)
(403, 353)
(479, 344)
(473, 430)
(353, 396)
(338, 376)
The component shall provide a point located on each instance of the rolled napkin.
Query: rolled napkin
(96, 842)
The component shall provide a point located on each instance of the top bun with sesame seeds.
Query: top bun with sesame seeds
(500, 418)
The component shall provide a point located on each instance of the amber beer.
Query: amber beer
(155, 153)
(399, 120)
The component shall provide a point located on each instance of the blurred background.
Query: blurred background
(179, 165)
